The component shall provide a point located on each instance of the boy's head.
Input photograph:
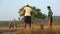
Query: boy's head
(48, 7)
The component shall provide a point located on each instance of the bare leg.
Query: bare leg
(25, 25)
(49, 22)
(42, 27)
(50, 25)
(10, 26)
(30, 25)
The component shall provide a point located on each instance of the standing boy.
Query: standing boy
(27, 15)
(15, 24)
(50, 13)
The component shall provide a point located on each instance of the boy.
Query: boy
(50, 13)
(27, 15)
(11, 25)
(15, 24)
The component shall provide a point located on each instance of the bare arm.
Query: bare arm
(23, 12)
(31, 13)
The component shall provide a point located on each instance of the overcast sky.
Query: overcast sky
(9, 8)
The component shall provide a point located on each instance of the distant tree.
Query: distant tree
(36, 13)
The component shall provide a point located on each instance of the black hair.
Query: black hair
(27, 5)
(48, 7)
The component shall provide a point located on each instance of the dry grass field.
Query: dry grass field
(35, 29)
